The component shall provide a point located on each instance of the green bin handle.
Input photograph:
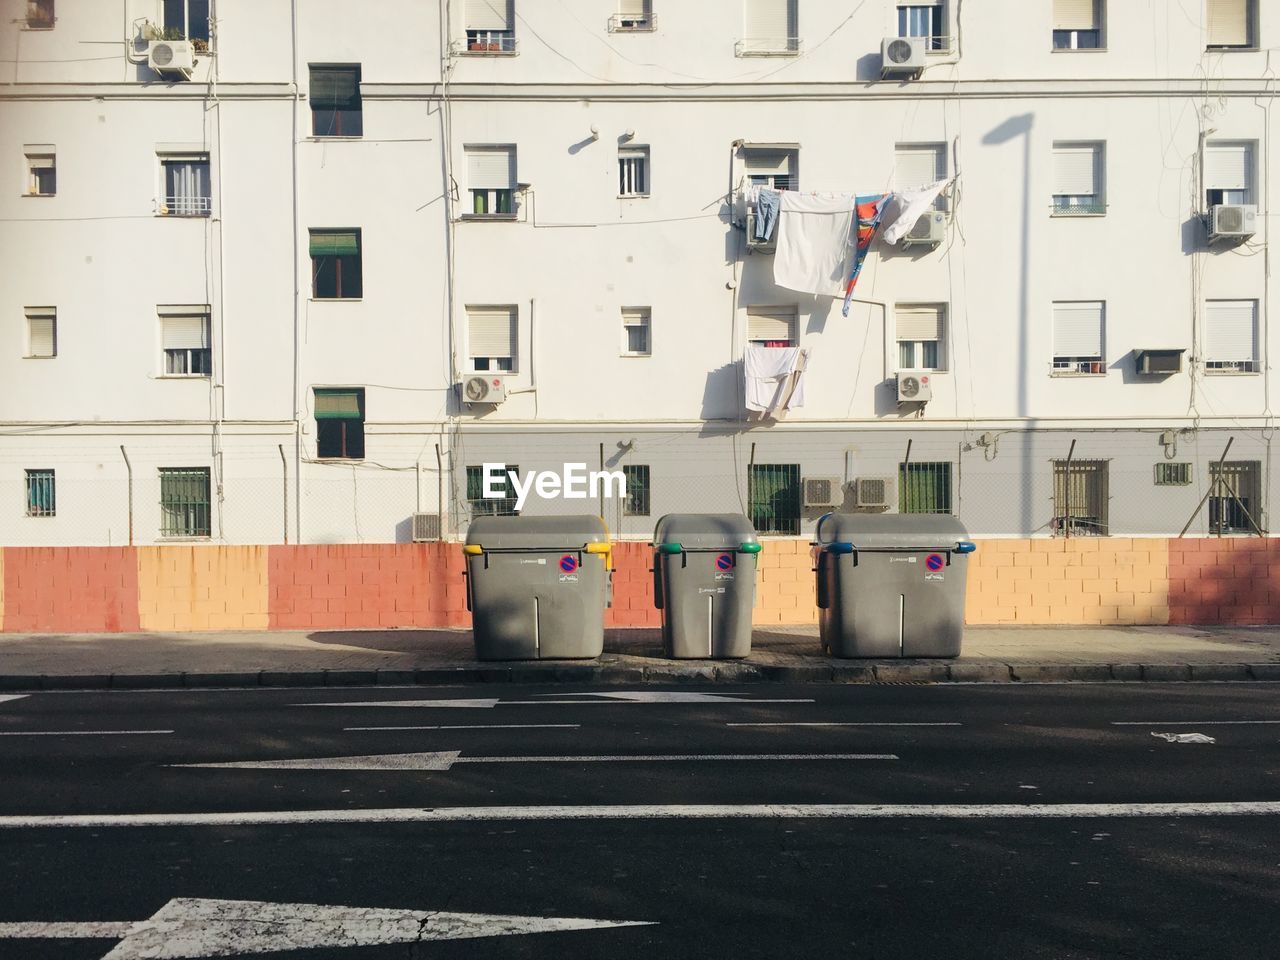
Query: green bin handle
(671, 548)
(749, 548)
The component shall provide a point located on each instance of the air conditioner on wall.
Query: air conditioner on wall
(873, 491)
(930, 230)
(1233, 221)
(426, 527)
(914, 387)
(902, 56)
(823, 492)
(483, 388)
(172, 58)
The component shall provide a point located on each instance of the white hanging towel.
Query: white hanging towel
(815, 242)
(908, 206)
(774, 378)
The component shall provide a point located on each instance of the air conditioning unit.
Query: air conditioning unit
(426, 527)
(930, 230)
(913, 387)
(760, 246)
(902, 56)
(483, 388)
(172, 58)
(1233, 220)
(873, 491)
(1158, 363)
(823, 492)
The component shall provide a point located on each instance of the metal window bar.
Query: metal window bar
(1236, 500)
(1080, 497)
(775, 181)
(637, 499)
(482, 506)
(632, 22)
(184, 502)
(41, 494)
(1092, 365)
(492, 202)
(926, 21)
(633, 179)
(773, 493)
(491, 41)
(1232, 366)
(1077, 205)
(924, 487)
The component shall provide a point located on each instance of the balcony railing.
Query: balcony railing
(1078, 206)
(1231, 366)
(1077, 366)
(489, 42)
(767, 47)
(184, 206)
(632, 23)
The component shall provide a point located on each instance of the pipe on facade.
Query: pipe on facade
(284, 491)
(128, 468)
(440, 493)
(297, 293)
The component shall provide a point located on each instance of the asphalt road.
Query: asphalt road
(1010, 821)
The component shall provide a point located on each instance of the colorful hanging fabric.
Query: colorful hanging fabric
(868, 211)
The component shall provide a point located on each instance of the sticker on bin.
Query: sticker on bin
(724, 561)
(935, 562)
(569, 563)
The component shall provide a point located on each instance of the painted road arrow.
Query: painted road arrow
(186, 929)
(448, 758)
(11, 696)
(619, 696)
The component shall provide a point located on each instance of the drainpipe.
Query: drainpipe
(439, 493)
(284, 490)
(129, 470)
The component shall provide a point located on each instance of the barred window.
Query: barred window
(924, 487)
(482, 506)
(1235, 502)
(1080, 498)
(773, 492)
(637, 501)
(633, 172)
(184, 502)
(42, 498)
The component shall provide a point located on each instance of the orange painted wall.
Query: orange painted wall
(202, 588)
(70, 589)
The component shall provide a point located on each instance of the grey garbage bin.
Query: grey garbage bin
(537, 586)
(891, 585)
(704, 582)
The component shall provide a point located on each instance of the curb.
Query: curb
(837, 671)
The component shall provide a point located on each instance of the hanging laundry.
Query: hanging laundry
(909, 206)
(774, 379)
(869, 211)
(766, 213)
(814, 242)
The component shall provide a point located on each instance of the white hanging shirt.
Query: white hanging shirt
(815, 242)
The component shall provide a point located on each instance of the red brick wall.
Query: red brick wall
(1227, 580)
(70, 589)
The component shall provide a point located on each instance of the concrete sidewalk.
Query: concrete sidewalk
(301, 658)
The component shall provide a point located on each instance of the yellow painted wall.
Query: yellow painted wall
(202, 588)
(785, 588)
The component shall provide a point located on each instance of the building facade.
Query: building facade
(244, 296)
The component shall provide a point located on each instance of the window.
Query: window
(42, 171)
(482, 506)
(184, 339)
(335, 265)
(633, 16)
(1231, 336)
(42, 499)
(769, 29)
(1235, 498)
(335, 101)
(635, 332)
(773, 495)
(1230, 24)
(1173, 474)
(921, 328)
(637, 501)
(186, 186)
(187, 20)
(491, 338)
(40, 14)
(491, 175)
(1077, 179)
(42, 332)
(1228, 172)
(777, 169)
(1077, 24)
(633, 172)
(924, 487)
(490, 26)
(184, 501)
(771, 326)
(925, 18)
(1080, 498)
(918, 165)
(1078, 336)
(340, 423)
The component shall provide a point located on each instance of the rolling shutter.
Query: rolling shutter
(42, 335)
(771, 323)
(1075, 15)
(918, 322)
(339, 404)
(492, 332)
(1075, 170)
(916, 167)
(184, 332)
(770, 19)
(491, 168)
(1228, 166)
(1228, 23)
(1231, 330)
(633, 8)
(335, 243)
(1077, 329)
(489, 14)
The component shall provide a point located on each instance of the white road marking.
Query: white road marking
(80, 733)
(849, 724)
(1184, 737)
(670, 696)
(483, 726)
(5, 697)
(444, 760)
(624, 696)
(185, 929)
(764, 811)
(1187, 723)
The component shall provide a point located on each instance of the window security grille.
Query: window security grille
(42, 498)
(633, 172)
(924, 487)
(1173, 474)
(773, 495)
(1235, 501)
(1080, 498)
(186, 187)
(637, 501)
(184, 502)
(481, 506)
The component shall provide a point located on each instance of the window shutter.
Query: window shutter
(768, 162)
(335, 88)
(1075, 15)
(1231, 330)
(633, 8)
(491, 168)
(1228, 166)
(489, 14)
(1077, 329)
(919, 322)
(770, 19)
(1075, 170)
(491, 333)
(41, 335)
(771, 323)
(919, 166)
(335, 243)
(40, 163)
(1228, 23)
(184, 333)
(339, 405)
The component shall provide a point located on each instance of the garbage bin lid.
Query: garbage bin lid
(889, 531)
(705, 531)
(533, 533)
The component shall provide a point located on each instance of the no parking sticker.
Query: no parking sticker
(935, 562)
(568, 563)
(724, 561)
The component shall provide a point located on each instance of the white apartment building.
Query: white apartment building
(253, 251)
